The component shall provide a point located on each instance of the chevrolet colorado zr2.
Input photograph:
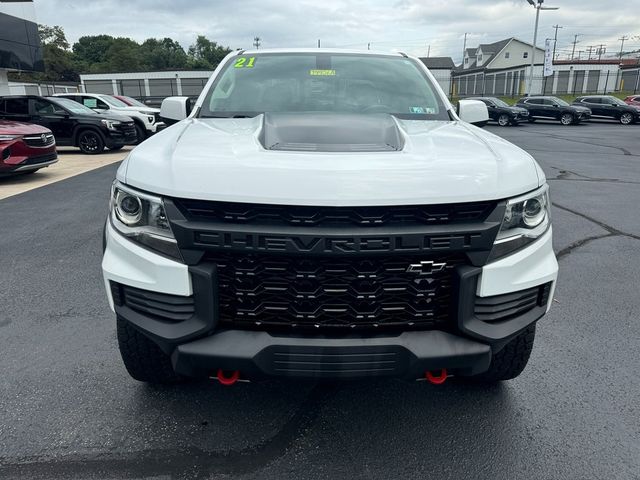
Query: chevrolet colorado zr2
(327, 214)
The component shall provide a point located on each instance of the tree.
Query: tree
(206, 54)
(165, 54)
(91, 51)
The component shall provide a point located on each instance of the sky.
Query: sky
(416, 27)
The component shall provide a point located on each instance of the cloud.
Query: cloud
(408, 25)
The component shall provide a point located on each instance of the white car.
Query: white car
(147, 119)
(327, 213)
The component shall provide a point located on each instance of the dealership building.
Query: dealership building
(20, 48)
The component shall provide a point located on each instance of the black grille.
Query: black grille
(127, 129)
(272, 291)
(510, 305)
(39, 141)
(162, 306)
(287, 215)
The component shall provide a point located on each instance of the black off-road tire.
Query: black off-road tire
(509, 362)
(143, 359)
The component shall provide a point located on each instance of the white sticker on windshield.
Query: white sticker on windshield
(423, 110)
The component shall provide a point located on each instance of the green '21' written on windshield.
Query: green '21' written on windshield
(244, 62)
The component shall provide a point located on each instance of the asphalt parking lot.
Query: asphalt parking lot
(69, 410)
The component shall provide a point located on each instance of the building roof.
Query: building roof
(435, 63)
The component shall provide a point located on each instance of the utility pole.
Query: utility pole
(464, 48)
(579, 54)
(555, 39)
(428, 51)
(590, 50)
(601, 49)
(575, 42)
(369, 46)
(318, 43)
(538, 7)
(256, 42)
(622, 40)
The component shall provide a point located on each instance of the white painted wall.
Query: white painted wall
(24, 10)
(4, 83)
(516, 51)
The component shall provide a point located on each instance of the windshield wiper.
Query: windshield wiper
(233, 115)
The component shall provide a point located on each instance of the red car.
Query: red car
(132, 102)
(633, 100)
(25, 148)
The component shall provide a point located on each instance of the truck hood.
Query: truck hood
(224, 159)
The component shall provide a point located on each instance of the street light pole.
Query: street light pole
(538, 7)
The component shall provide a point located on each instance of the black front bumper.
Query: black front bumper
(261, 354)
(198, 348)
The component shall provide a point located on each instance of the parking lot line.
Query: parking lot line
(71, 162)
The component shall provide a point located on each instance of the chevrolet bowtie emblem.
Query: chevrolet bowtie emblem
(426, 267)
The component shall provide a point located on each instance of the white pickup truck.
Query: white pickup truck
(327, 214)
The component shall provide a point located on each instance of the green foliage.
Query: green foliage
(104, 53)
(206, 54)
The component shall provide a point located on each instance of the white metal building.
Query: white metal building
(147, 85)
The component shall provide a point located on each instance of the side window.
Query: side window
(533, 101)
(591, 100)
(43, 107)
(549, 103)
(90, 102)
(102, 105)
(16, 106)
(506, 54)
(525, 55)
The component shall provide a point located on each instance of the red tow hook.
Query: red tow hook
(439, 379)
(228, 380)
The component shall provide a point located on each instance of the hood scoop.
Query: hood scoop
(331, 132)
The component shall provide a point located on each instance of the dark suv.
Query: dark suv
(72, 124)
(501, 112)
(553, 108)
(609, 107)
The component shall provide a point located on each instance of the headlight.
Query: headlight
(8, 138)
(526, 218)
(141, 218)
(110, 124)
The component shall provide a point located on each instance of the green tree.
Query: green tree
(91, 51)
(165, 54)
(206, 54)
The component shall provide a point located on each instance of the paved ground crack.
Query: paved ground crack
(611, 232)
(192, 463)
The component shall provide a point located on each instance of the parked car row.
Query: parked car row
(31, 127)
(584, 108)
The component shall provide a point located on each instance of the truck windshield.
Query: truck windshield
(323, 82)
(72, 106)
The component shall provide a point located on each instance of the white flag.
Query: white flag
(548, 57)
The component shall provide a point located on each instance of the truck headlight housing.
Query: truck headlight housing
(141, 218)
(526, 218)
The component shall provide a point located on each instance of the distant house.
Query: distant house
(499, 68)
(441, 68)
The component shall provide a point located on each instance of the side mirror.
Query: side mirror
(174, 109)
(474, 112)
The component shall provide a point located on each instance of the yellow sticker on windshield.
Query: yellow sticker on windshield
(322, 73)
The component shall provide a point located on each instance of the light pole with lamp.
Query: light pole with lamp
(538, 7)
